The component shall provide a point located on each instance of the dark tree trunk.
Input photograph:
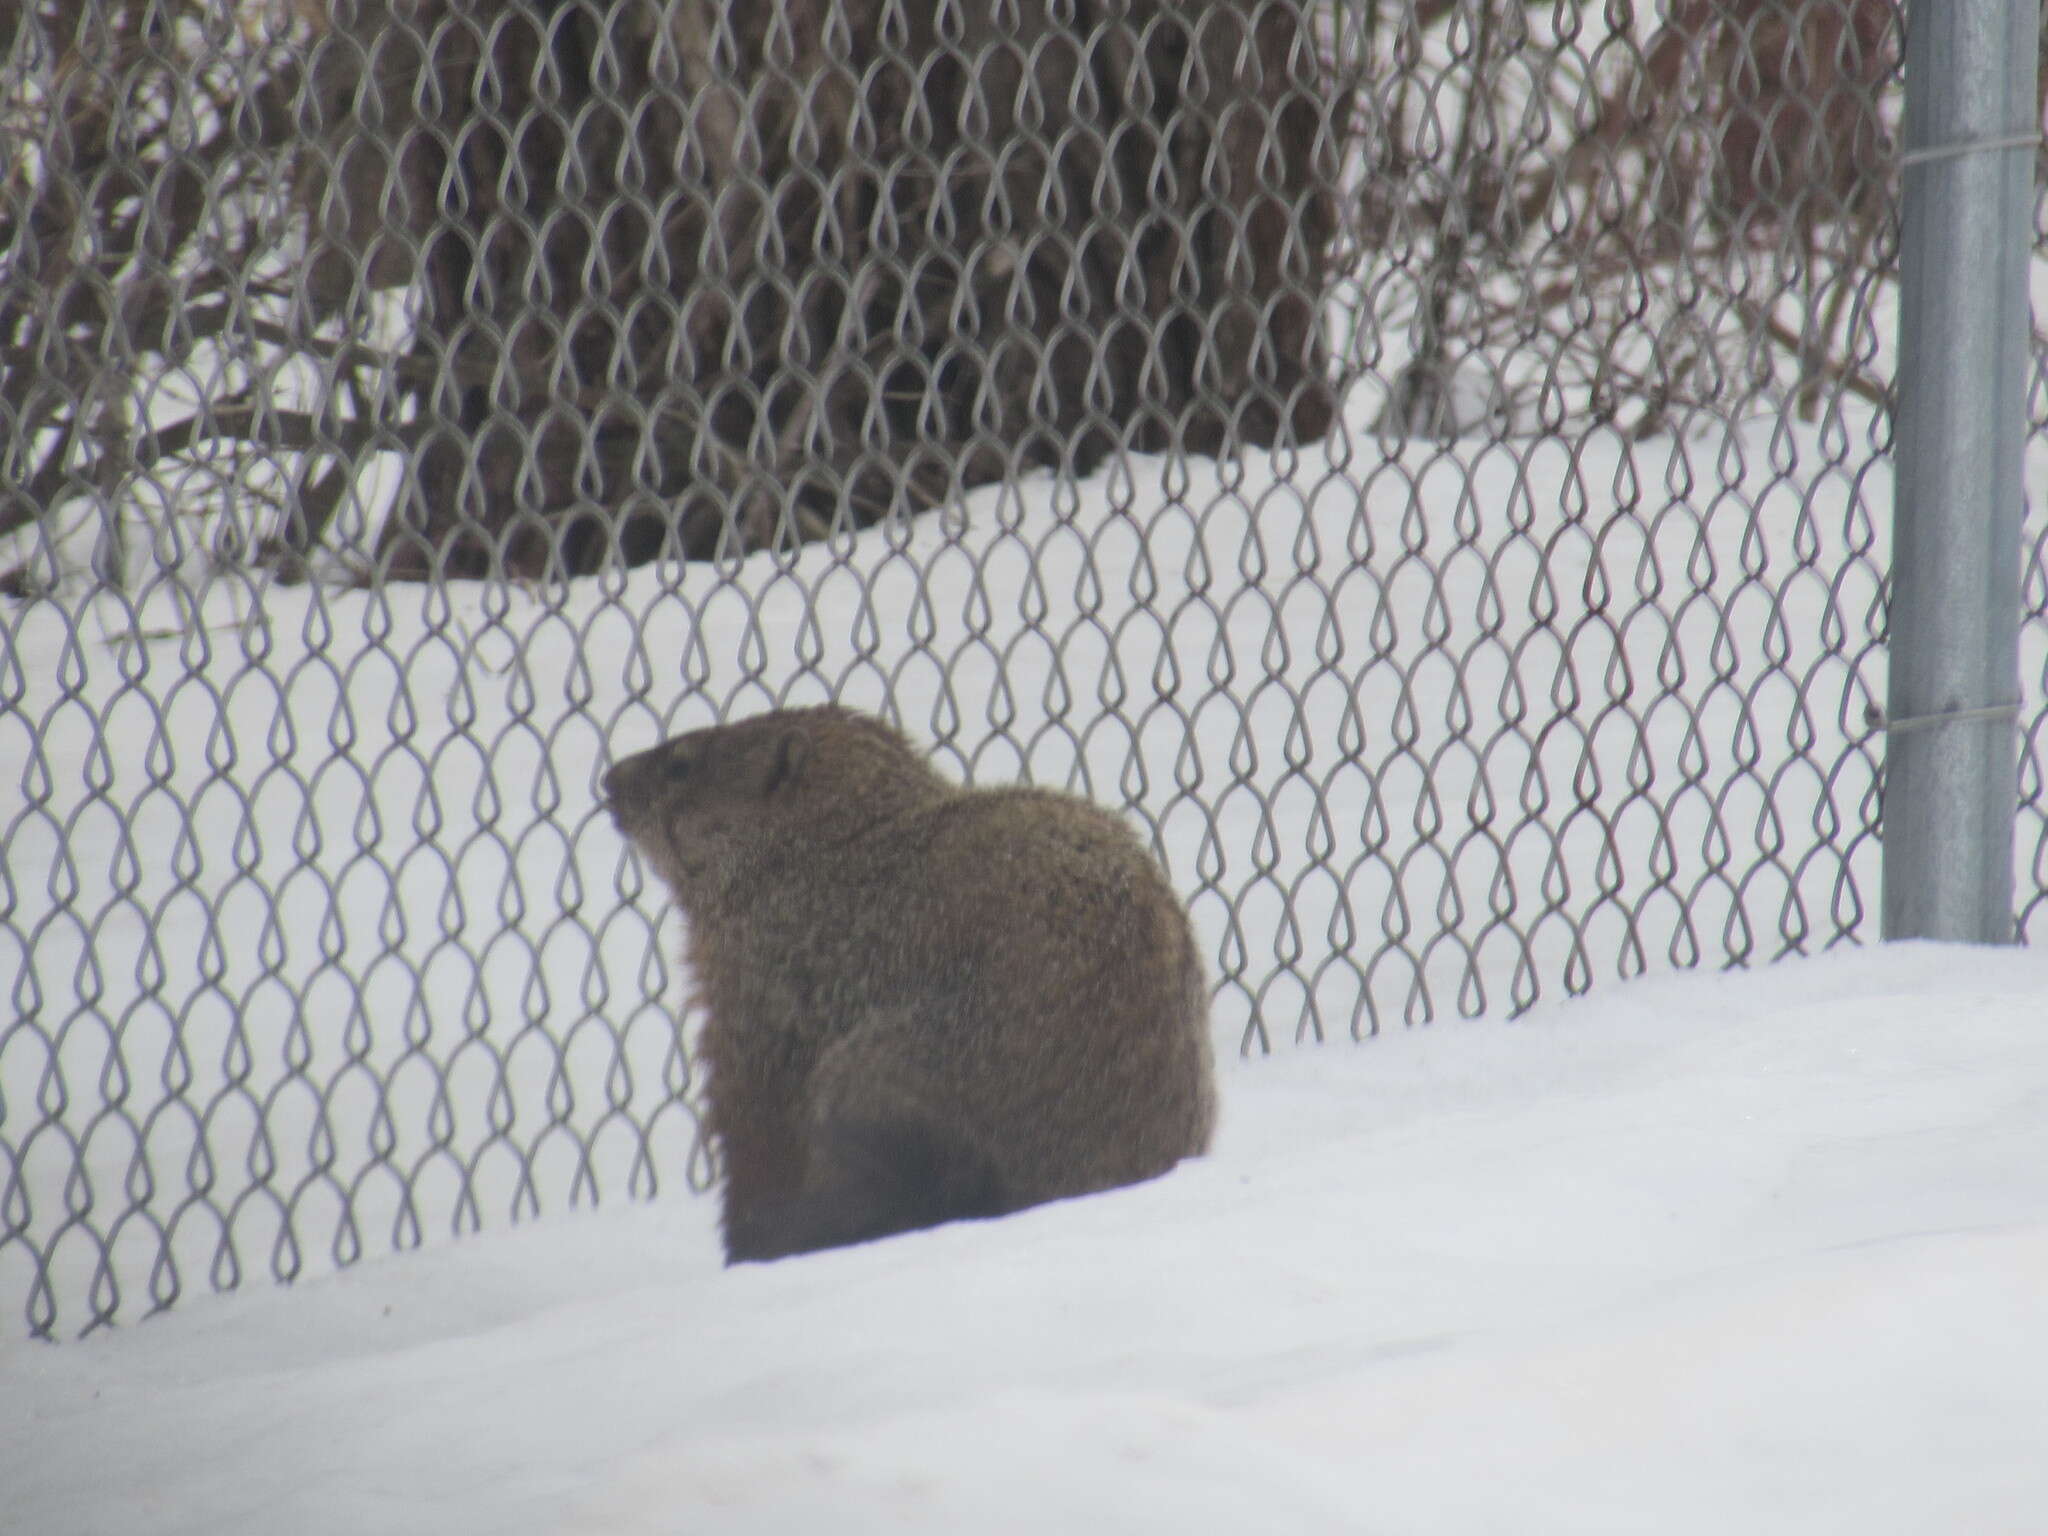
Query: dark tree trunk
(697, 276)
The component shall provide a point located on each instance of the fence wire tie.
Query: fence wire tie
(1969, 147)
(1906, 724)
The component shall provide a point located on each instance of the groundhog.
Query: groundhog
(922, 1002)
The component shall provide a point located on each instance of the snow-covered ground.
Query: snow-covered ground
(1757, 1253)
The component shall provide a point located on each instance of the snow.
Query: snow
(1759, 1252)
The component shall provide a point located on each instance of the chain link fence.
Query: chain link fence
(1428, 460)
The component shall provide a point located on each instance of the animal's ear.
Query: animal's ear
(680, 763)
(792, 749)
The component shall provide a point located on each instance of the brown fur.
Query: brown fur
(924, 1002)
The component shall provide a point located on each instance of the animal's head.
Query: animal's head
(706, 806)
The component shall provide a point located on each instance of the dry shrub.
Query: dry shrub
(1621, 213)
(143, 142)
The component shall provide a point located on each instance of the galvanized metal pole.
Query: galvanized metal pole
(1950, 764)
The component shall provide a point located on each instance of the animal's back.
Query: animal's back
(1059, 1001)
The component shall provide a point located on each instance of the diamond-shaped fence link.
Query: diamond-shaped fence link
(1427, 460)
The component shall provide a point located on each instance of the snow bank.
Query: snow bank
(1762, 1252)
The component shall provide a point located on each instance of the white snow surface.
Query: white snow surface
(1745, 1252)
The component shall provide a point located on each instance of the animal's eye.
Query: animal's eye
(677, 767)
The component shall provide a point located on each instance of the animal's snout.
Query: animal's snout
(614, 789)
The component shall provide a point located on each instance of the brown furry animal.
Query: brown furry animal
(924, 1002)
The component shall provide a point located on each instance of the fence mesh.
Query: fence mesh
(1425, 459)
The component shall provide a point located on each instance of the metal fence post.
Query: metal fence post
(1951, 775)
